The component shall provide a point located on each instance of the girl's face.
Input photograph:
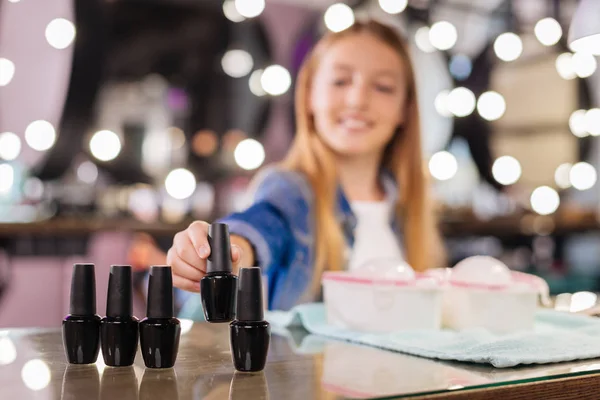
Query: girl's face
(357, 97)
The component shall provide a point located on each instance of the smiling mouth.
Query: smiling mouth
(354, 124)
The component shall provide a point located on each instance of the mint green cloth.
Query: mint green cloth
(557, 336)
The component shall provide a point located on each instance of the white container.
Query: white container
(382, 304)
(481, 292)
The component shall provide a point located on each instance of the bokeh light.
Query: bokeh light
(60, 33)
(506, 170)
(40, 135)
(508, 46)
(275, 80)
(105, 145)
(443, 165)
(10, 146)
(442, 35)
(180, 183)
(249, 154)
(544, 200)
(338, 17)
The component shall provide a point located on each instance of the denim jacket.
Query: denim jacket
(280, 227)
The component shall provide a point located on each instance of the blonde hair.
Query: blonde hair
(402, 156)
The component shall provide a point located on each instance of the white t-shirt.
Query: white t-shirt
(373, 235)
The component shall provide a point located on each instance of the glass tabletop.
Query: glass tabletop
(300, 366)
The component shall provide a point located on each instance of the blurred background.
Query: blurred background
(121, 121)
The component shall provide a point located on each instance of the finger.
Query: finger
(198, 235)
(184, 249)
(186, 270)
(185, 284)
(236, 253)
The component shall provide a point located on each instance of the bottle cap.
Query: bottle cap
(220, 249)
(250, 295)
(119, 300)
(160, 292)
(83, 290)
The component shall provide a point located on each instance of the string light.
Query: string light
(105, 145)
(7, 177)
(461, 101)
(237, 63)
(583, 176)
(564, 66)
(10, 146)
(584, 64)
(506, 170)
(443, 165)
(508, 46)
(255, 85)
(250, 8)
(40, 135)
(548, 31)
(7, 71)
(60, 33)
(443, 35)
(393, 6)
(577, 123)
(561, 176)
(422, 40)
(441, 103)
(338, 17)
(544, 200)
(491, 105)
(249, 154)
(275, 80)
(591, 121)
(231, 13)
(180, 183)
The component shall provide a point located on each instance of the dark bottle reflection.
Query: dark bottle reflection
(249, 386)
(118, 383)
(212, 387)
(80, 382)
(159, 384)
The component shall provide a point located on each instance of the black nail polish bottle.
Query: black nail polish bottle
(81, 328)
(218, 288)
(119, 329)
(159, 331)
(250, 333)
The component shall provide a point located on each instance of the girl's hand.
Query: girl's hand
(187, 257)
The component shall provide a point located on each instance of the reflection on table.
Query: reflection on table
(300, 366)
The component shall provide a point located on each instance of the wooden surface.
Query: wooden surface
(300, 366)
(586, 387)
